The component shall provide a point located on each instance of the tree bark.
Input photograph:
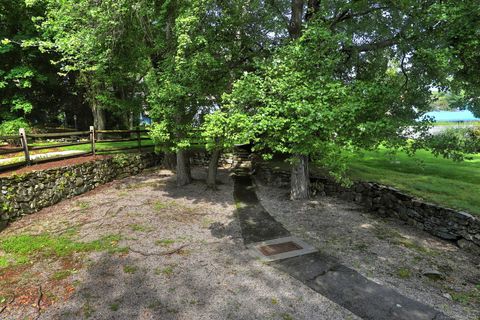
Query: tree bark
(183, 169)
(169, 160)
(212, 169)
(300, 178)
(312, 7)
(296, 19)
(98, 120)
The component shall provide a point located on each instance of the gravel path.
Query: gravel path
(186, 258)
(384, 250)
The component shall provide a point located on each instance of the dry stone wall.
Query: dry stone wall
(32, 191)
(202, 158)
(442, 222)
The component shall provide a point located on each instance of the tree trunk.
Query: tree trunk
(98, 120)
(183, 169)
(212, 169)
(131, 120)
(296, 19)
(169, 160)
(300, 178)
(312, 7)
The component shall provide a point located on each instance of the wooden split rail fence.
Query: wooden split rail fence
(26, 143)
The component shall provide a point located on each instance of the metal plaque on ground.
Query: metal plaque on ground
(281, 248)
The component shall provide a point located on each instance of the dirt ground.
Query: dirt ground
(173, 253)
(393, 254)
(177, 253)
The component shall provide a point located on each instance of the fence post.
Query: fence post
(92, 138)
(23, 140)
(139, 140)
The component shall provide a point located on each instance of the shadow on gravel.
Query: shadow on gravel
(216, 280)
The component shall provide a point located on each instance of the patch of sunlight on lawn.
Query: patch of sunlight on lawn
(437, 180)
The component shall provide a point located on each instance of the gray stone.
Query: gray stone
(35, 190)
(78, 182)
(447, 296)
(433, 274)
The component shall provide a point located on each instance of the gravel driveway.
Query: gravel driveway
(183, 258)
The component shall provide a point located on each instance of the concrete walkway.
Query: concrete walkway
(323, 273)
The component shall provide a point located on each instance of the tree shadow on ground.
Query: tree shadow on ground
(213, 278)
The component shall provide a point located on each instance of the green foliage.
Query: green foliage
(206, 46)
(101, 42)
(447, 101)
(29, 85)
(467, 297)
(455, 144)
(357, 80)
(164, 242)
(11, 127)
(296, 105)
(130, 269)
(456, 32)
(404, 273)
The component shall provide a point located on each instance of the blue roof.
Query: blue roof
(463, 115)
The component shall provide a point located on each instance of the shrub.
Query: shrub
(455, 144)
(11, 127)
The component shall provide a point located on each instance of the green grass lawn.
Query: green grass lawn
(456, 123)
(108, 145)
(437, 180)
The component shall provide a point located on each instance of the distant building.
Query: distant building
(452, 116)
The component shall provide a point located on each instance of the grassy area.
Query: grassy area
(108, 145)
(457, 123)
(22, 249)
(437, 180)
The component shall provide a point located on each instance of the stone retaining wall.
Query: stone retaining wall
(32, 191)
(442, 222)
(202, 158)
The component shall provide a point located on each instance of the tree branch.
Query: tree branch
(295, 26)
(279, 12)
(374, 45)
(348, 14)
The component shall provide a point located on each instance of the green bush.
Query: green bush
(455, 144)
(11, 127)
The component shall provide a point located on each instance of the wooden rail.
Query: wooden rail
(9, 138)
(90, 137)
(58, 135)
(11, 150)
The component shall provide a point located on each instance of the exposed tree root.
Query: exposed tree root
(39, 300)
(5, 306)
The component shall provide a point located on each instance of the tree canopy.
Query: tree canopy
(307, 79)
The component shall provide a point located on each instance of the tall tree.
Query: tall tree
(99, 43)
(30, 89)
(355, 74)
(210, 44)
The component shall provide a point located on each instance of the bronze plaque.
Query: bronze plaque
(271, 249)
